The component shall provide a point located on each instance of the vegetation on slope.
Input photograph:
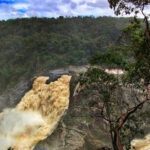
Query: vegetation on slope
(29, 46)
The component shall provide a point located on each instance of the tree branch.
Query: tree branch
(124, 117)
(147, 29)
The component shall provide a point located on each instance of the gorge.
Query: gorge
(33, 119)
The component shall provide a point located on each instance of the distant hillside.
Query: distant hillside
(30, 46)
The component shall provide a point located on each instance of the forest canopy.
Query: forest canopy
(32, 45)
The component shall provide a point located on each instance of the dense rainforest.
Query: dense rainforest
(31, 45)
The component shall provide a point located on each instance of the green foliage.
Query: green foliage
(127, 6)
(96, 75)
(109, 60)
(139, 45)
(30, 46)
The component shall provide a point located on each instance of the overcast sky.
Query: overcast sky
(54, 8)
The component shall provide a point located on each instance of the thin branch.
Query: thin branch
(147, 30)
(124, 117)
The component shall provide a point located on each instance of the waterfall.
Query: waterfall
(36, 116)
(141, 144)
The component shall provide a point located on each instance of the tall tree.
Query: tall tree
(121, 114)
(138, 44)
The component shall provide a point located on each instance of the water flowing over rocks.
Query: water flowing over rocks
(37, 114)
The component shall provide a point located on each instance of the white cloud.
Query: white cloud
(55, 8)
(21, 6)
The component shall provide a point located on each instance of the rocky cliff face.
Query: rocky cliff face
(77, 130)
